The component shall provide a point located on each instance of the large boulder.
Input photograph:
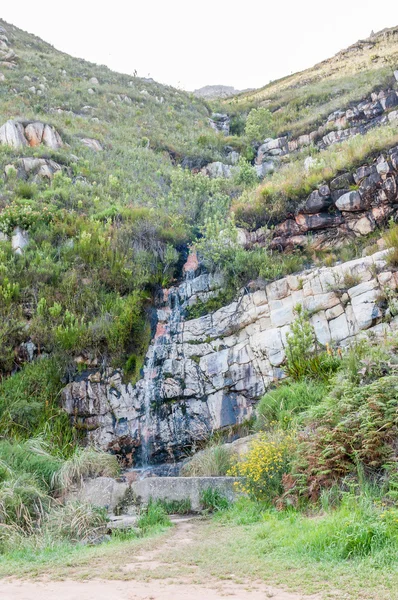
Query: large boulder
(12, 134)
(217, 170)
(317, 201)
(17, 135)
(92, 144)
(351, 201)
(19, 240)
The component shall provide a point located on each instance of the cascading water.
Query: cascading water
(149, 394)
(150, 375)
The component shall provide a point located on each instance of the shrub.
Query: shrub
(263, 467)
(85, 462)
(29, 404)
(153, 515)
(31, 456)
(355, 425)
(213, 500)
(246, 174)
(214, 461)
(302, 353)
(259, 124)
(391, 239)
(288, 400)
(23, 502)
(75, 521)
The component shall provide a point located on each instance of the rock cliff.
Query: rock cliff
(206, 374)
(350, 206)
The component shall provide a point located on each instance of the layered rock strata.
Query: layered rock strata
(380, 109)
(206, 374)
(352, 205)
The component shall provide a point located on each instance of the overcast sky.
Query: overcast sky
(191, 44)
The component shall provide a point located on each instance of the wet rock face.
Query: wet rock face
(206, 374)
(220, 122)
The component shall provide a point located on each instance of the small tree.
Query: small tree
(300, 343)
(259, 124)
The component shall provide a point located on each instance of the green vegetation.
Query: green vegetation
(259, 124)
(110, 228)
(326, 448)
(282, 192)
(213, 500)
(286, 402)
(33, 479)
(214, 461)
(302, 101)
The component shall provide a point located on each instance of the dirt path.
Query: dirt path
(150, 575)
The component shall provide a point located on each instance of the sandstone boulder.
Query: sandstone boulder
(351, 201)
(51, 138)
(92, 144)
(34, 133)
(12, 134)
(218, 170)
(19, 240)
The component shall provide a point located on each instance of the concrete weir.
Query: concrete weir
(107, 492)
(182, 488)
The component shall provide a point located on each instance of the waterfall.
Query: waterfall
(149, 395)
(150, 375)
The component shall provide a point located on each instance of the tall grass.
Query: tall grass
(214, 461)
(84, 462)
(287, 401)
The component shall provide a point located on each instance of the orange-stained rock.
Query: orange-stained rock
(192, 263)
(160, 330)
(34, 133)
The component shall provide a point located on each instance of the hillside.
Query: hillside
(302, 100)
(177, 272)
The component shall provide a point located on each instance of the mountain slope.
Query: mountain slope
(108, 179)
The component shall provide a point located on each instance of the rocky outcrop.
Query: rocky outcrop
(380, 109)
(351, 205)
(8, 58)
(18, 134)
(217, 170)
(217, 91)
(39, 168)
(206, 374)
(92, 144)
(220, 122)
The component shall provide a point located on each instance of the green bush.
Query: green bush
(153, 515)
(264, 466)
(287, 401)
(75, 521)
(212, 500)
(303, 356)
(29, 404)
(259, 124)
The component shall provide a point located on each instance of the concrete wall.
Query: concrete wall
(101, 491)
(182, 488)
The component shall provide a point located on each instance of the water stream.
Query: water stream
(150, 375)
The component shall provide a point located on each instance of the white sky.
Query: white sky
(190, 44)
